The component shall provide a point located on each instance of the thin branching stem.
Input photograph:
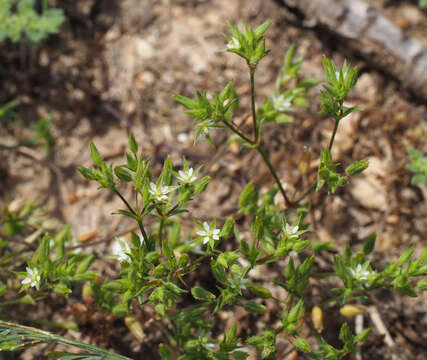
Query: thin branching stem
(139, 221)
(258, 142)
(331, 143)
(273, 172)
(162, 221)
(305, 193)
(337, 121)
(238, 132)
(254, 119)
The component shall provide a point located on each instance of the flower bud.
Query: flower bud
(135, 327)
(317, 318)
(16, 205)
(352, 310)
(87, 293)
(304, 161)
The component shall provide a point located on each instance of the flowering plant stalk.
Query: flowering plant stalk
(158, 266)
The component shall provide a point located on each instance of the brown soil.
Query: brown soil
(114, 68)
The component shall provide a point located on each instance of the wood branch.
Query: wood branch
(371, 34)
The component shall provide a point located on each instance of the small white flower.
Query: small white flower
(344, 74)
(120, 248)
(233, 44)
(207, 233)
(291, 231)
(74, 242)
(360, 274)
(33, 277)
(159, 191)
(186, 177)
(279, 103)
(241, 282)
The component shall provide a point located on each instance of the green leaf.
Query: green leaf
(138, 181)
(422, 285)
(44, 249)
(201, 185)
(369, 244)
(260, 291)
(185, 101)
(302, 345)
(96, 157)
(62, 289)
(260, 30)
(340, 268)
(418, 166)
(239, 355)
(201, 294)
(404, 258)
(254, 307)
(84, 264)
(363, 335)
(345, 334)
(265, 342)
(88, 174)
(301, 245)
(402, 284)
(133, 146)
(166, 249)
(283, 119)
(122, 174)
(295, 313)
(165, 352)
(318, 246)
(357, 167)
(128, 214)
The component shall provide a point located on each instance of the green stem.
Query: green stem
(238, 132)
(254, 119)
(273, 172)
(331, 143)
(337, 121)
(138, 220)
(305, 194)
(161, 231)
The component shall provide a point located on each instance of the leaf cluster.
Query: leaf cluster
(27, 22)
(209, 114)
(359, 277)
(418, 166)
(339, 83)
(249, 43)
(59, 268)
(278, 108)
